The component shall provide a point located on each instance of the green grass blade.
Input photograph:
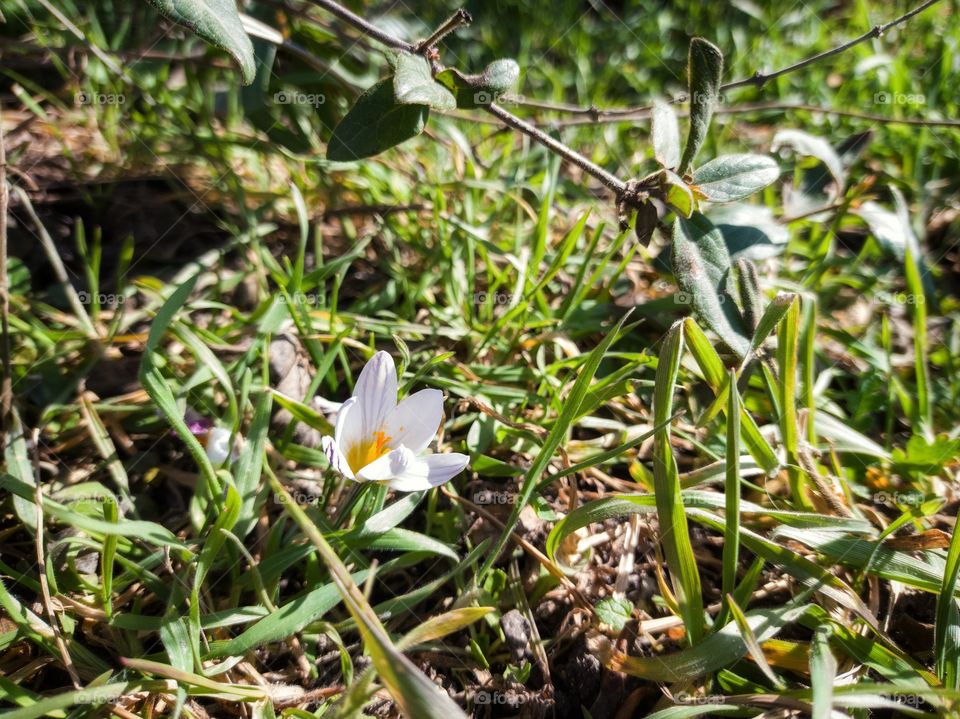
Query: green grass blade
(753, 645)
(713, 371)
(569, 413)
(823, 673)
(674, 534)
(414, 693)
(946, 647)
(159, 390)
(788, 356)
(731, 490)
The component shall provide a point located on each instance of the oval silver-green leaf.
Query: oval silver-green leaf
(812, 146)
(732, 177)
(413, 84)
(473, 91)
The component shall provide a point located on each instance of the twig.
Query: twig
(491, 412)
(456, 21)
(805, 107)
(365, 27)
(596, 114)
(598, 117)
(554, 145)
(758, 79)
(811, 213)
(507, 118)
(6, 388)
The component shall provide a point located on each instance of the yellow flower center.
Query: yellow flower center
(366, 451)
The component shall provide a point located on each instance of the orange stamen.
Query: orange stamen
(364, 452)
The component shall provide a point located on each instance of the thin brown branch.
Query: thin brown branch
(367, 28)
(459, 19)
(643, 113)
(544, 561)
(609, 180)
(758, 79)
(554, 145)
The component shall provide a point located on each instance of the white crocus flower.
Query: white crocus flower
(378, 440)
(218, 446)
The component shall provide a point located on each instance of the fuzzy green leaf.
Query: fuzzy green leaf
(666, 135)
(473, 91)
(812, 146)
(413, 84)
(614, 611)
(704, 70)
(375, 123)
(701, 265)
(501, 75)
(732, 177)
(217, 22)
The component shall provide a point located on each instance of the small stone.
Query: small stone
(516, 631)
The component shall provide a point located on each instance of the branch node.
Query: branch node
(461, 18)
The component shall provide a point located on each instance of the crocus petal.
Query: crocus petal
(414, 422)
(376, 392)
(337, 460)
(329, 408)
(218, 445)
(349, 427)
(395, 463)
(430, 471)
